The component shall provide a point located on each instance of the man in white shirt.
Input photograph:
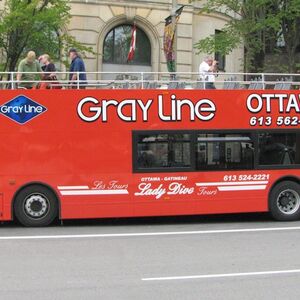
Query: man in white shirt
(206, 70)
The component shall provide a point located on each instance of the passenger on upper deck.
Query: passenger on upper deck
(77, 65)
(28, 64)
(49, 72)
(206, 70)
(48, 67)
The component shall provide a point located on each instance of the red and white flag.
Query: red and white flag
(132, 44)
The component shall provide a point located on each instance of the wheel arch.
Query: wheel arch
(22, 187)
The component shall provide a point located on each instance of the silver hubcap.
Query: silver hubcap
(36, 206)
(288, 201)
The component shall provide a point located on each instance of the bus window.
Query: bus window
(163, 151)
(279, 148)
(224, 151)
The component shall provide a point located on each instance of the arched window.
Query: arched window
(117, 44)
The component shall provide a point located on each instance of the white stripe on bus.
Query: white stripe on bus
(230, 183)
(94, 192)
(73, 187)
(242, 188)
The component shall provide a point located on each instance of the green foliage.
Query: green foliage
(34, 25)
(67, 42)
(255, 23)
(224, 43)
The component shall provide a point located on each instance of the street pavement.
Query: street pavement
(212, 257)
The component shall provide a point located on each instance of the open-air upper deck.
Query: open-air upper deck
(162, 80)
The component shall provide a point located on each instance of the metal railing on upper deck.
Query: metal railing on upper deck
(151, 80)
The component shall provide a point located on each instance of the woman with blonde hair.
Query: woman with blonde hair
(48, 67)
(48, 74)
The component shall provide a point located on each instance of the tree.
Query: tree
(288, 23)
(34, 25)
(255, 23)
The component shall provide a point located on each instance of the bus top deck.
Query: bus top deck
(161, 80)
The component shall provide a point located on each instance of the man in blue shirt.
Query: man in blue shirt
(77, 65)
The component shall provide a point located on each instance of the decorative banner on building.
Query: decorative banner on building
(132, 44)
(169, 34)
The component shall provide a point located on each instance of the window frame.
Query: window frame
(254, 134)
(133, 62)
(137, 133)
(251, 136)
(274, 167)
(218, 55)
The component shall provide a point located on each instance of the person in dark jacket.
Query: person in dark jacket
(48, 67)
(77, 65)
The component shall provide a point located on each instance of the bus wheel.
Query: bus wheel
(35, 205)
(284, 201)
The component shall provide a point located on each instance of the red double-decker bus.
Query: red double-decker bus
(126, 153)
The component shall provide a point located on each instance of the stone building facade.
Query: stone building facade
(94, 20)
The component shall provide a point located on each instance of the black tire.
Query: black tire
(284, 201)
(36, 206)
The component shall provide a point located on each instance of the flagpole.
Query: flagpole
(173, 14)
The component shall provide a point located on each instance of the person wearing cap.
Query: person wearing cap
(29, 64)
(77, 65)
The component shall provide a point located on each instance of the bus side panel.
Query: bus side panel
(153, 194)
(1, 207)
(95, 207)
(232, 191)
(198, 193)
(206, 192)
(6, 200)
